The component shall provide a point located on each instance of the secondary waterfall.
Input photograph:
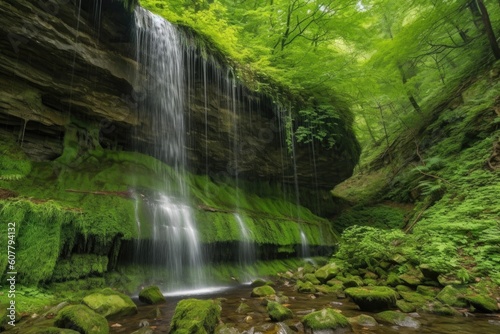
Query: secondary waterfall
(173, 244)
(304, 245)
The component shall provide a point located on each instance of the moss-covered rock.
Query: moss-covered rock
(439, 309)
(482, 303)
(82, 319)
(451, 296)
(110, 304)
(430, 291)
(327, 272)
(263, 291)
(278, 312)
(305, 287)
(312, 278)
(405, 306)
(195, 316)
(415, 297)
(327, 318)
(393, 279)
(329, 289)
(243, 308)
(398, 319)
(351, 281)
(363, 320)
(258, 282)
(373, 298)
(152, 295)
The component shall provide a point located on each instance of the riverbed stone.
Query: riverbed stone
(305, 287)
(312, 278)
(278, 312)
(263, 291)
(363, 320)
(82, 319)
(326, 319)
(439, 308)
(152, 295)
(398, 319)
(327, 272)
(110, 304)
(195, 316)
(482, 303)
(405, 306)
(430, 291)
(258, 282)
(373, 298)
(451, 296)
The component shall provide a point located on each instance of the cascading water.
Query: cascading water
(246, 245)
(173, 244)
(304, 245)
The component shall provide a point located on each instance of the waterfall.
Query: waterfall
(173, 245)
(304, 245)
(246, 248)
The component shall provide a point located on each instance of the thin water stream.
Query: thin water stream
(256, 319)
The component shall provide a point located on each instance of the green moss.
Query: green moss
(405, 306)
(312, 278)
(415, 298)
(429, 291)
(328, 271)
(325, 319)
(152, 295)
(195, 316)
(110, 304)
(305, 287)
(14, 165)
(482, 303)
(364, 320)
(372, 298)
(379, 216)
(398, 319)
(439, 309)
(451, 296)
(50, 330)
(263, 291)
(82, 319)
(79, 266)
(277, 312)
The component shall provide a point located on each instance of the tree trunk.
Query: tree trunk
(490, 33)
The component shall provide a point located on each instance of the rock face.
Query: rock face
(65, 68)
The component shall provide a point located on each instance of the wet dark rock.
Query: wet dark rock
(373, 298)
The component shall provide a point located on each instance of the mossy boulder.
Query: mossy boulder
(278, 312)
(373, 298)
(405, 306)
(326, 319)
(305, 287)
(363, 320)
(451, 296)
(439, 309)
(195, 316)
(263, 291)
(329, 289)
(415, 297)
(430, 291)
(152, 295)
(351, 281)
(82, 319)
(398, 319)
(258, 282)
(312, 278)
(110, 303)
(482, 303)
(393, 279)
(327, 272)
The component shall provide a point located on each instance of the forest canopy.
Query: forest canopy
(386, 59)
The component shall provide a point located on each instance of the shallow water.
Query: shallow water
(256, 320)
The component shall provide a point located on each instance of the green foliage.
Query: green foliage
(379, 216)
(320, 124)
(14, 164)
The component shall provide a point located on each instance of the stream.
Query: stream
(256, 320)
